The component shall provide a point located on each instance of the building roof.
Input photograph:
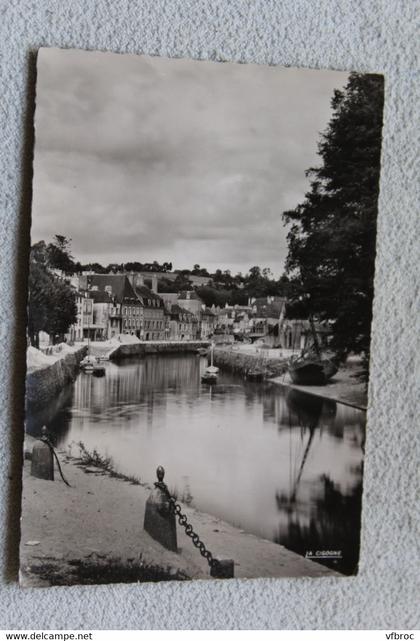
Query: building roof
(207, 312)
(269, 306)
(100, 296)
(188, 295)
(146, 295)
(177, 310)
(119, 284)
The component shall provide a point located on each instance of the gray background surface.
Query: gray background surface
(361, 35)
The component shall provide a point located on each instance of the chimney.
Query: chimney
(139, 280)
(154, 284)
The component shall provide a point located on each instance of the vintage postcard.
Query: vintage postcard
(199, 312)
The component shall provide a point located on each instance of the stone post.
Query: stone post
(42, 465)
(159, 519)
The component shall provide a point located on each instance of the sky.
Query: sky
(143, 158)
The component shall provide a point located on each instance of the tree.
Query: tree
(97, 268)
(62, 312)
(331, 243)
(51, 301)
(59, 254)
(39, 296)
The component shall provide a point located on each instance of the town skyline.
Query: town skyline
(147, 264)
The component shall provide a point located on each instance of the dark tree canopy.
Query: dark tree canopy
(332, 238)
(51, 302)
(59, 254)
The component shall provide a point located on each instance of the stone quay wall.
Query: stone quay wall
(240, 363)
(45, 383)
(155, 347)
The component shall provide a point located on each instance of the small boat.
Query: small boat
(90, 365)
(210, 375)
(309, 368)
(256, 375)
(98, 370)
(87, 364)
(309, 371)
(211, 372)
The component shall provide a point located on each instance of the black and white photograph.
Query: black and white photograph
(201, 281)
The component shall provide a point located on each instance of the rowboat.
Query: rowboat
(98, 370)
(89, 365)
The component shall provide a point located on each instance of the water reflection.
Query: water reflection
(278, 463)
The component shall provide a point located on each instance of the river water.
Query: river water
(273, 461)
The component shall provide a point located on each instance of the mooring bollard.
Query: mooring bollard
(159, 507)
(42, 465)
(159, 518)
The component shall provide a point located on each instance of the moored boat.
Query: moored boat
(90, 365)
(210, 375)
(256, 375)
(98, 370)
(307, 370)
(310, 368)
(211, 372)
(87, 364)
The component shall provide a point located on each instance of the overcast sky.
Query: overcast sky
(141, 158)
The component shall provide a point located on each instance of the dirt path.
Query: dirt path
(100, 519)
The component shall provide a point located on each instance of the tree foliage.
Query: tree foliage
(331, 242)
(59, 254)
(51, 301)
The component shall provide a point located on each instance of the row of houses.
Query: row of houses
(113, 304)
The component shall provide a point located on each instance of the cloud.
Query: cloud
(140, 158)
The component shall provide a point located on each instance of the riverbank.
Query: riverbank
(98, 522)
(345, 387)
(47, 375)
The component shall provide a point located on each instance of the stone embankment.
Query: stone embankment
(242, 362)
(44, 380)
(155, 347)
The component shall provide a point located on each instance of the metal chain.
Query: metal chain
(45, 439)
(189, 531)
